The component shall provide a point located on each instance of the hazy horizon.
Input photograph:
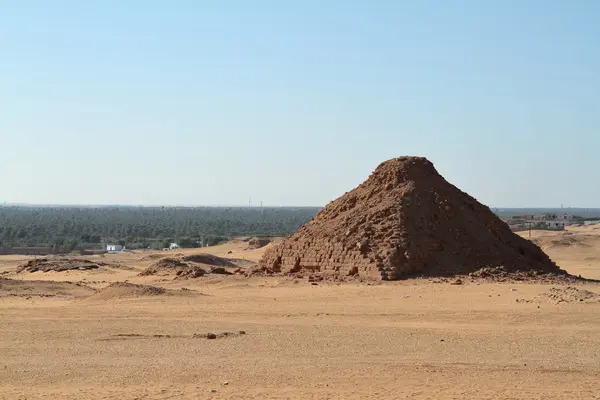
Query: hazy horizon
(148, 102)
(257, 206)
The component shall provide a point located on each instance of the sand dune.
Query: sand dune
(124, 290)
(29, 289)
(576, 249)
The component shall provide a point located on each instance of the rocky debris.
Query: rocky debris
(61, 264)
(212, 336)
(180, 271)
(139, 335)
(257, 243)
(209, 259)
(220, 271)
(502, 274)
(568, 294)
(405, 220)
(152, 257)
(258, 270)
(158, 256)
(191, 272)
(168, 265)
(192, 266)
(169, 262)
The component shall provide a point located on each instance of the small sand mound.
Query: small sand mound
(209, 259)
(27, 289)
(124, 290)
(61, 264)
(158, 256)
(170, 265)
(558, 241)
(181, 272)
(257, 243)
(191, 266)
(151, 257)
(568, 294)
(169, 262)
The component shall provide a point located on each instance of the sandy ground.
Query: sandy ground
(414, 339)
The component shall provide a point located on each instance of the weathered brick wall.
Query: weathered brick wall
(292, 256)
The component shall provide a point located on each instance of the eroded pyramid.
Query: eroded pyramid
(405, 219)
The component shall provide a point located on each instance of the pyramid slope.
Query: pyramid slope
(405, 219)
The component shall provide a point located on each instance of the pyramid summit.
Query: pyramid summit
(405, 219)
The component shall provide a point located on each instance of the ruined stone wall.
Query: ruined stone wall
(320, 256)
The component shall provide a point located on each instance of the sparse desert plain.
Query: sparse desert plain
(130, 326)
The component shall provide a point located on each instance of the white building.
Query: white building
(557, 221)
(173, 246)
(556, 224)
(114, 247)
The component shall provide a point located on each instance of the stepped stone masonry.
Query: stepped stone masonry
(405, 219)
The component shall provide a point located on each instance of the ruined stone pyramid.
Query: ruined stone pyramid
(405, 219)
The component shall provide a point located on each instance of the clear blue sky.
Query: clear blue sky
(296, 102)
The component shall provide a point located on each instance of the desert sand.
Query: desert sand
(77, 335)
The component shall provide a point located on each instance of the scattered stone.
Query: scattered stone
(569, 294)
(213, 336)
(191, 266)
(209, 259)
(62, 264)
(220, 271)
(257, 243)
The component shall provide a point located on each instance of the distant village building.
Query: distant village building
(557, 221)
(114, 247)
(556, 225)
(550, 221)
(556, 217)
